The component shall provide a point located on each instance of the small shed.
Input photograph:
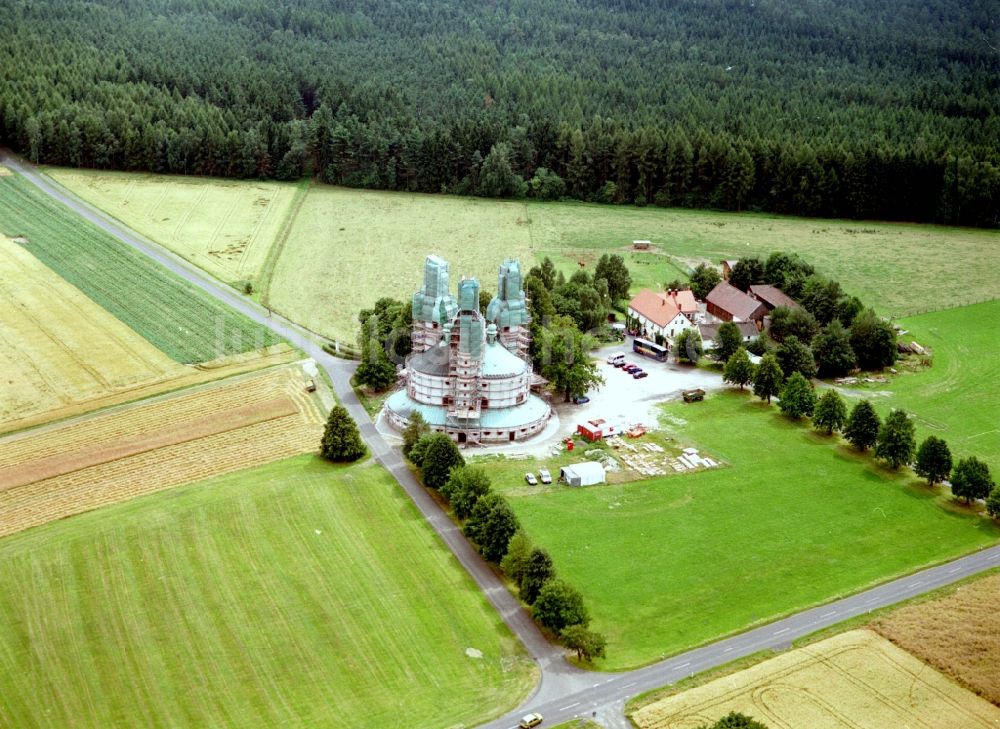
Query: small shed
(594, 430)
(642, 245)
(586, 473)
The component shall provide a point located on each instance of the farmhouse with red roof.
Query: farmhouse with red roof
(667, 313)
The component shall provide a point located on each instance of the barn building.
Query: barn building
(728, 303)
(470, 375)
(772, 297)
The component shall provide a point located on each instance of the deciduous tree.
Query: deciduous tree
(538, 571)
(768, 378)
(438, 455)
(341, 439)
(587, 643)
(873, 340)
(688, 347)
(612, 268)
(896, 442)
(832, 351)
(971, 480)
(558, 606)
(830, 413)
(704, 278)
(727, 341)
(416, 428)
(933, 460)
(797, 397)
(739, 370)
(464, 487)
(862, 426)
(794, 356)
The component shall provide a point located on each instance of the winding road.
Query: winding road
(564, 691)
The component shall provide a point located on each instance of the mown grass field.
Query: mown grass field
(294, 594)
(855, 679)
(345, 248)
(794, 520)
(958, 398)
(348, 248)
(226, 227)
(175, 317)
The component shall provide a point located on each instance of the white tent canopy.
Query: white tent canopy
(586, 473)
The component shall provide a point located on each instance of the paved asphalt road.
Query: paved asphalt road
(564, 691)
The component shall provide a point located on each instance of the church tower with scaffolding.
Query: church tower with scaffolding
(470, 375)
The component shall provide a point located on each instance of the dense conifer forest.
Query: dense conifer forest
(856, 108)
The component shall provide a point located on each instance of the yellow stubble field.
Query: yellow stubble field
(855, 680)
(245, 421)
(61, 354)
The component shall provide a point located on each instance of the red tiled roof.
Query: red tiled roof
(772, 296)
(730, 299)
(661, 309)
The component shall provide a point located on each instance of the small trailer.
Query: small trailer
(696, 395)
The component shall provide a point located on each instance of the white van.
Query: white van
(616, 359)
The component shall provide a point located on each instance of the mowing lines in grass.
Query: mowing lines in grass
(176, 317)
(294, 594)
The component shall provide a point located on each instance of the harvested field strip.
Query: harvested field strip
(45, 408)
(174, 465)
(151, 446)
(855, 680)
(958, 634)
(220, 422)
(148, 417)
(177, 318)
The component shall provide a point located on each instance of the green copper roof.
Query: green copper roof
(433, 302)
(509, 307)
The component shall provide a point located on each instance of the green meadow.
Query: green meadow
(336, 250)
(794, 519)
(295, 594)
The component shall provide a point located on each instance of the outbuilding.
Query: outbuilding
(594, 430)
(586, 473)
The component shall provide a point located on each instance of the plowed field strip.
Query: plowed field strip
(221, 422)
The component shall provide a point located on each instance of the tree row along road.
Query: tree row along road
(564, 691)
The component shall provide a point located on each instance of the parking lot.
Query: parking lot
(623, 400)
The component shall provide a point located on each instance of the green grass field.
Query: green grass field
(226, 227)
(343, 249)
(794, 520)
(958, 398)
(295, 594)
(177, 318)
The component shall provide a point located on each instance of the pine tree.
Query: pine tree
(341, 439)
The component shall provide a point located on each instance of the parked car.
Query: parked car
(530, 478)
(544, 475)
(531, 720)
(630, 368)
(616, 359)
(581, 399)
(639, 374)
